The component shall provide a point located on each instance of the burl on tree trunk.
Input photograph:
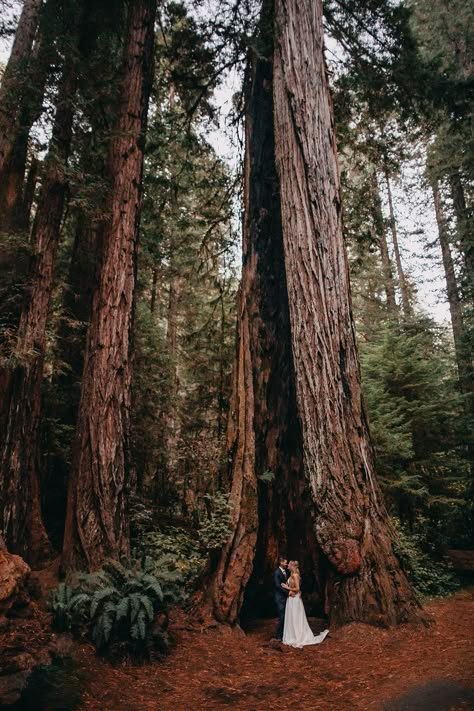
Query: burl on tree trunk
(96, 519)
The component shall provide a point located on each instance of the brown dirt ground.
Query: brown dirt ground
(357, 668)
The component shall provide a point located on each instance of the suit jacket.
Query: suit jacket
(278, 578)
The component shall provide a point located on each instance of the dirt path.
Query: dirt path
(356, 668)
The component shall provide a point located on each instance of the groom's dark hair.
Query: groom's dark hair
(282, 558)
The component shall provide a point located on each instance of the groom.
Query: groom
(280, 576)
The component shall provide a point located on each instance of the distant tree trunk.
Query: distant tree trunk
(14, 214)
(154, 289)
(20, 512)
(463, 357)
(270, 515)
(172, 351)
(11, 91)
(96, 519)
(29, 192)
(351, 524)
(381, 237)
(406, 305)
(465, 231)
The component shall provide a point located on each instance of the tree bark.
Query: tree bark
(351, 525)
(402, 282)
(264, 437)
(96, 519)
(20, 512)
(463, 358)
(11, 91)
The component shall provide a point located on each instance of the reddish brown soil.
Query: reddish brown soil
(356, 668)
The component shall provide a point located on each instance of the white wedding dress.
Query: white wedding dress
(296, 630)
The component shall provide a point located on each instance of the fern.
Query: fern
(117, 604)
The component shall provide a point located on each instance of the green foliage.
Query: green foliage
(430, 577)
(415, 417)
(267, 476)
(178, 555)
(216, 527)
(118, 604)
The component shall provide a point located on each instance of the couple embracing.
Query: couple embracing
(292, 628)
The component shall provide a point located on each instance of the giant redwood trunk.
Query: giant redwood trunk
(270, 512)
(20, 514)
(96, 519)
(351, 524)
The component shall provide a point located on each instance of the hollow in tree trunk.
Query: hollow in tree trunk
(96, 518)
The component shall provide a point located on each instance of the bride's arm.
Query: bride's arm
(295, 584)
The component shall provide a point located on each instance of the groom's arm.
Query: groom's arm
(278, 579)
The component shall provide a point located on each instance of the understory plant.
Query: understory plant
(431, 577)
(122, 604)
(180, 554)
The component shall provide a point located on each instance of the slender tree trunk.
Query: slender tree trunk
(154, 289)
(264, 438)
(464, 230)
(14, 215)
(29, 192)
(11, 91)
(463, 358)
(381, 237)
(96, 520)
(20, 512)
(351, 524)
(406, 305)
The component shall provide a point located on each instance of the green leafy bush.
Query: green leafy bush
(430, 577)
(118, 604)
(215, 529)
(179, 555)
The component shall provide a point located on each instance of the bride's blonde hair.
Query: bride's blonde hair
(295, 566)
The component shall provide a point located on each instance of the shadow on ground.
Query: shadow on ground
(436, 695)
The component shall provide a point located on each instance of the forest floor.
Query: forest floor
(358, 667)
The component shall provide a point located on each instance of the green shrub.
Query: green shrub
(429, 577)
(216, 527)
(118, 604)
(179, 555)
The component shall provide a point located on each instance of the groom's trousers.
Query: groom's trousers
(280, 602)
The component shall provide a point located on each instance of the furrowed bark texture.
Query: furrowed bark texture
(365, 581)
(96, 520)
(264, 434)
(20, 515)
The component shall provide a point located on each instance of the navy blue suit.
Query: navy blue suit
(280, 599)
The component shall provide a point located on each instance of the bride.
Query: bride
(296, 630)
